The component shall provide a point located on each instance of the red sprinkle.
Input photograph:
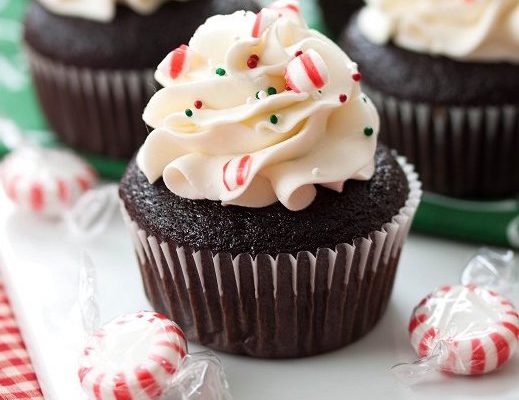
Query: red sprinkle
(252, 62)
(287, 87)
(298, 53)
(343, 98)
(357, 76)
(198, 104)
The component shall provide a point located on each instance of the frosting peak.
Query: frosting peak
(479, 30)
(99, 10)
(256, 109)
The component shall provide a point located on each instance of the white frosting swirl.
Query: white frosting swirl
(229, 149)
(99, 10)
(478, 30)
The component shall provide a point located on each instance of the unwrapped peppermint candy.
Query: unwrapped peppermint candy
(307, 72)
(175, 64)
(288, 9)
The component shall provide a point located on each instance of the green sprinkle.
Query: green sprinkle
(271, 90)
(189, 112)
(257, 95)
(364, 99)
(220, 71)
(274, 119)
(368, 131)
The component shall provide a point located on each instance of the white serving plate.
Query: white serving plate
(40, 267)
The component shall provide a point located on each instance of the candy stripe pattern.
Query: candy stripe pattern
(264, 19)
(132, 358)
(288, 9)
(307, 72)
(177, 62)
(479, 328)
(45, 181)
(236, 172)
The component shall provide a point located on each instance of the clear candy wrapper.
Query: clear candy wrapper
(141, 355)
(89, 309)
(201, 377)
(461, 330)
(493, 269)
(93, 211)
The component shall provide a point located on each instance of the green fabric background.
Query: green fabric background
(17, 99)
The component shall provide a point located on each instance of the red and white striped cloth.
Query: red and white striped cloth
(17, 377)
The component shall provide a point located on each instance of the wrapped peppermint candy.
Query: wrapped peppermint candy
(143, 356)
(462, 330)
(132, 357)
(45, 181)
(55, 183)
(140, 356)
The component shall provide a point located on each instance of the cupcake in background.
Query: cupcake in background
(92, 63)
(266, 219)
(336, 13)
(445, 77)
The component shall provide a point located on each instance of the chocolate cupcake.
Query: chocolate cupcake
(92, 65)
(445, 78)
(336, 13)
(266, 220)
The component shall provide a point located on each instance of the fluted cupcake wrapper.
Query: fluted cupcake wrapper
(458, 151)
(281, 306)
(93, 110)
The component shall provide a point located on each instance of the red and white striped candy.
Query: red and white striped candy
(307, 72)
(132, 358)
(45, 181)
(177, 62)
(264, 19)
(236, 171)
(289, 9)
(478, 327)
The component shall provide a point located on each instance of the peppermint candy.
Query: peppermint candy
(307, 72)
(45, 181)
(288, 9)
(177, 62)
(476, 329)
(264, 19)
(133, 357)
(236, 172)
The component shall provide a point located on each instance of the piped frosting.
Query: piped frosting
(257, 109)
(100, 10)
(472, 30)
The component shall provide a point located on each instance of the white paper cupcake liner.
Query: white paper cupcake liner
(98, 111)
(458, 151)
(281, 306)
